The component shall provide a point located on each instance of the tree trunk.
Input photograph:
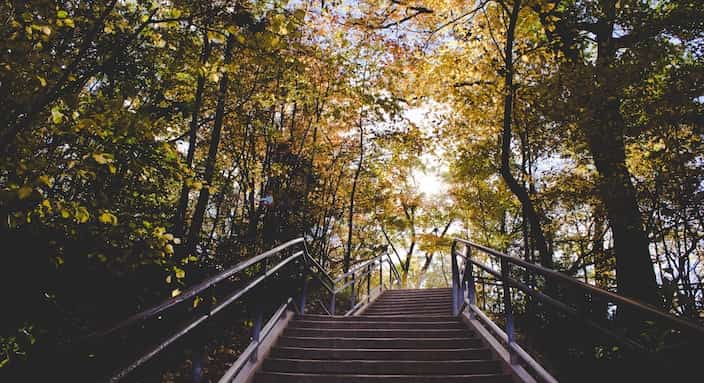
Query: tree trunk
(180, 217)
(350, 221)
(604, 131)
(201, 205)
(516, 188)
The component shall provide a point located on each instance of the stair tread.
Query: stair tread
(389, 349)
(309, 377)
(405, 336)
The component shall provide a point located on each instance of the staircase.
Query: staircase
(403, 336)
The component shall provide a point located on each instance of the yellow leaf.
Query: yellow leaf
(82, 215)
(42, 81)
(168, 279)
(24, 192)
(197, 301)
(107, 219)
(101, 158)
(45, 180)
(175, 292)
(180, 273)
(65, 213)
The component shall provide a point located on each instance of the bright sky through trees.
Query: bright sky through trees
(145, 144)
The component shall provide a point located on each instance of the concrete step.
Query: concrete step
(276, 377)
(418, 304)
(412, 308)
(374, 333)
(379, 312)
(439, 293)
(387, 324)
(372, 318)
(410, 301)
(381, 354)
(371, 367)
(381, 343)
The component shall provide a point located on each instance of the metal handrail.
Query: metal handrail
(192, 292)
(464, 295)
(195, 290)
(631, 303)
(302, 255)
(352, 278)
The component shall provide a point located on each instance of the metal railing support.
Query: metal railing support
(304, 292)
(381, 275)
(257, 329)
(352, 293)
(455, 275)
(369, 283)
(469, 277)
(508, 309)
(197, 363)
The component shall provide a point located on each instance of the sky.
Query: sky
(429, 179)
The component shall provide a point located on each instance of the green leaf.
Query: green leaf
(62, 14)
(56, 115)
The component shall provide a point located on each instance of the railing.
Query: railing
(362, 274)
(263, 267)
(464, 295)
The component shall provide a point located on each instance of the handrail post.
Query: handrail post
(369, 283)
(197, 362)
(257, 329)
(391, 276)
(455, 271)
(304, 292)
(381, 274)
(352, 297)
(469, 272)
(332, 302)
(508, 309)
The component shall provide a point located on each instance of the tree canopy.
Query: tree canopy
(147, 144)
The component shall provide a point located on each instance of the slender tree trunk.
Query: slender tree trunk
(180, 217)
(411, 216)
(350, 220)
(516, 188)
(201, 205)
(429, 257)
